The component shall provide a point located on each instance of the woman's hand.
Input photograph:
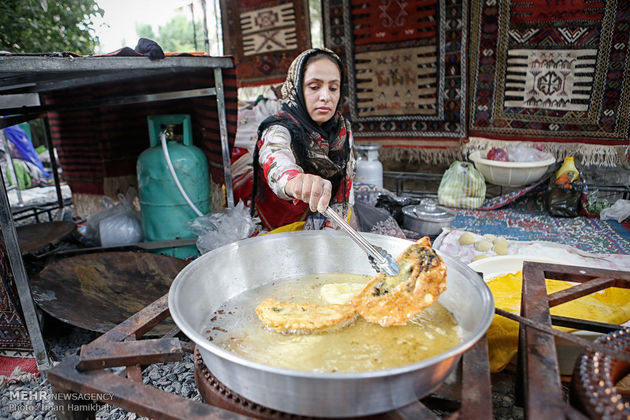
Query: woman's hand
(312, 189)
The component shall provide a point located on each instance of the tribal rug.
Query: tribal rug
(554, 72)
(407, 72)
(264, 37)
(17, 361)
(588, 234)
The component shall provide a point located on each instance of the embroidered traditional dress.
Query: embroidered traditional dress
(290, 143)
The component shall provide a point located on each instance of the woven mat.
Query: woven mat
(407, 81)
(551, 72)
(264, 37)
(588, 234)
(17, 362)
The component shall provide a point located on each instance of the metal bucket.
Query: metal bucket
(214, 278)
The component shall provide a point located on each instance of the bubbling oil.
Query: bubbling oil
(359, 347)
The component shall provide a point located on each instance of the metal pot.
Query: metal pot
(214, 278)
(427, 218)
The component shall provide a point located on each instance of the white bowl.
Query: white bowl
(491, 267)
(510, 174)
(502, 264)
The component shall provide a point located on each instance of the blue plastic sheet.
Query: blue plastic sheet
(23, 144)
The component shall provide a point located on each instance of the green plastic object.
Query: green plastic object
(164, 210)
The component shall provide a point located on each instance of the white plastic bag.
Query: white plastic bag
(619, 211)
(115, 224)
(221, 228)
(524, 153)
(463, 186)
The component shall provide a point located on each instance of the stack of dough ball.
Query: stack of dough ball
(497, 244)
(500, 245)
(467, 238)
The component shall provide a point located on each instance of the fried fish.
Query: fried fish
(384, 300)
(394, 300)
(300, 318)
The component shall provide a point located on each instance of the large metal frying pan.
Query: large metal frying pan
(212, 279)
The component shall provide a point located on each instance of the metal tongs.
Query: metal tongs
(380, 259)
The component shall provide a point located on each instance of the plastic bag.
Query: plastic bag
(221, 228)
(619, 211)
(563, 200)
(462, 186)
(394, 205)
(115, 224)
(594, 204)
(524, 153)
(377, 220)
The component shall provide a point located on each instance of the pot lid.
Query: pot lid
(428, 210)
(367, 146)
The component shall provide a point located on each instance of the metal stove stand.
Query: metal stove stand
(80, 380)
(85, 379)
(540, 381)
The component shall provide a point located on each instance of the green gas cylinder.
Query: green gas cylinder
(163, 207)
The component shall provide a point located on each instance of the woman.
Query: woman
(303, 159)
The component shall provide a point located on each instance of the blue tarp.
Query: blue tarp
(23, 144)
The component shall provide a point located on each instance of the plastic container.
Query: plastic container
(369, 168)
(510, 174)
(164, 210)
(567, 172)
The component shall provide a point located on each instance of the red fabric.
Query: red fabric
(274, 211)
(237, 152)
(8, 365)
(242, 187)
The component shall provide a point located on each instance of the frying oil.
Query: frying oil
(360, 347)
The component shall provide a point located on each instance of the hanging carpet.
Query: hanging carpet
(552, 72)
(406, 63)
(264, 37)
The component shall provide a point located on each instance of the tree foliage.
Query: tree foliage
(66, 25)
(175, 35)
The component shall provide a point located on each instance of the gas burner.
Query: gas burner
(215, 393)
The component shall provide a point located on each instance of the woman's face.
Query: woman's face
(322, 83)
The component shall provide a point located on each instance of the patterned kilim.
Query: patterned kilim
(99, 147)
(591, 235)
(264, 37)
(406, 62)
(553, 72)
(14, 339)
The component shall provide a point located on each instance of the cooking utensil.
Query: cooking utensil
(427, 218)
(379, 258)
(99, 291)
(226, 272)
